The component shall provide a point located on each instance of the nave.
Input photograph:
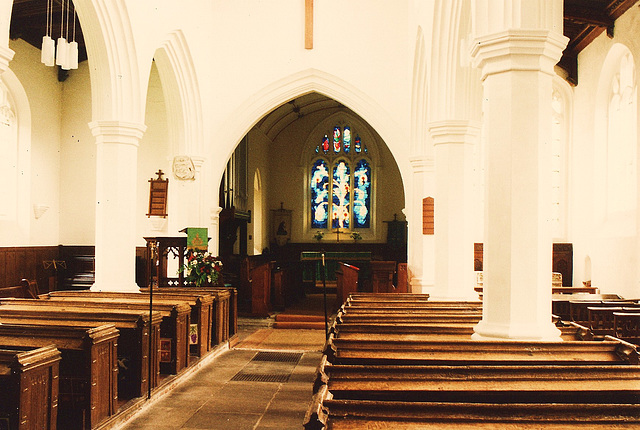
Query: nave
(263, 382)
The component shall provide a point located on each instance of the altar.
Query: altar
(312, 265)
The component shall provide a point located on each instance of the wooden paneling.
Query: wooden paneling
(428, 208)
(17, 263)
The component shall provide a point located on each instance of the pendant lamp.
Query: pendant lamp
(62, 48)
(73, 46)
(47, 56)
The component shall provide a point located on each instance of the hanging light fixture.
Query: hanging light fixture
(47, 56)
(62, 49)
(73, 46)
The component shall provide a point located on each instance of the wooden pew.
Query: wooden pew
(29, 381)
(346, 282)
(201, 310)
(382, 276)
(486, 383)
(442, 318)
(627, 326)
(560, 303)
(136, 331)
(464, 351)
(385, 297)
(429, 331)
(402, 304)
(174, 329)
(353, 414)
(26, 289)
(88, 391)
(225, 320)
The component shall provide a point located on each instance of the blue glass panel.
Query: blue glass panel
(362, 195)
(319, 194)
(341, 200)
(336, 139)
(357, 144)
(325, 144)
(346, 139)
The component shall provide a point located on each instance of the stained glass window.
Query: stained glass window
(341, 196)
(362, 195)
(336, 139)
(319, 194)
(358, 144)
(346, 139)
(325, 144)
(341, 185)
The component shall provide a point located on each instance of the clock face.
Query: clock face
(183, 168)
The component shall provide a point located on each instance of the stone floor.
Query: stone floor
(213, 399)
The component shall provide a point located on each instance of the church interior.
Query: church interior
(444, 193)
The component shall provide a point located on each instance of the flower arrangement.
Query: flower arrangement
(318, 236)
(201, 268)
(356, 236)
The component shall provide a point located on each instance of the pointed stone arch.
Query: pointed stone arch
(248, 114)
(182, 94)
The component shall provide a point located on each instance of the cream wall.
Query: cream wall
(44, 95)
(78, 161)
(153, 154)
(613, 254)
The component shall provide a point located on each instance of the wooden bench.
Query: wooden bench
(560, 303)
(486, 383)
(346, 282)
(443, 318)
(30, 383)
(386, 297)
(136, 331)
(464, 351)
(225, 320)
(88, 391)
(201, 310)
(427, 331)
(354, 414)
(627, 326)
(174, 329)
(26, 289)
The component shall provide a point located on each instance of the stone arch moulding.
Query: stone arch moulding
(182, 94)
(247, 115)
(23, 113)
(117, 88)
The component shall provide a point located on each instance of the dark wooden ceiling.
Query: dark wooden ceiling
(584, 20)
(29, 20)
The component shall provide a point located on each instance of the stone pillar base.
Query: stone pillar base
(544, 332)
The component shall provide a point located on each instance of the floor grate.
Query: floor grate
(279, 357)
(268, 366)
(256, 377)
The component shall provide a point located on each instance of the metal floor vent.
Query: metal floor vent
(269, 367)
(256, 377)
(279, 357)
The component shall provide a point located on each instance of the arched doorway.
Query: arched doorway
(364, 193)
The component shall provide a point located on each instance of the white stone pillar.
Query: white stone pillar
(517, 69)
(421, 247)
(453, 142)
(6, 55)
(214, 230)
(116, 175)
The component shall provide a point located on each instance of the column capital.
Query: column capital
(215, 215)
(6, 55)
(454, 131)
(115, 131)
(518, 50)
(422, 164)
